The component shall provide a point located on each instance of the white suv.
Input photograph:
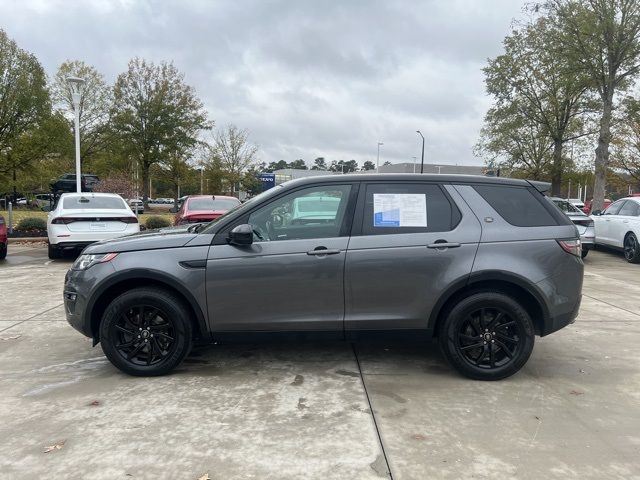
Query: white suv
(83, 218)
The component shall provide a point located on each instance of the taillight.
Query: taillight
(129, 219)
(63, 220)
(574, 247)
(587, 222)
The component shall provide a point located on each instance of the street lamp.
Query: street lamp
(75, 85)
(422, 161)
(414, 164)
(378, 160)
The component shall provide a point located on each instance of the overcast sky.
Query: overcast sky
(306, 78)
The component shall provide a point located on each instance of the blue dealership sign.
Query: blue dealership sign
(268, 180)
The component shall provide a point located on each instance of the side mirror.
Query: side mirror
(596, 212)
(173, 210)
(241, 235)
(46, 208)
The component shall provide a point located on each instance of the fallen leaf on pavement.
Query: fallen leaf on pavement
(56, 446)
(574, 392)
(95, 403)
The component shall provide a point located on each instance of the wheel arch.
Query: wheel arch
(130, 279)
(513, 285)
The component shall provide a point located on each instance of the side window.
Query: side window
(407, 208)
(629, 209)
(315, 212)
(518, 205)
(614, 208)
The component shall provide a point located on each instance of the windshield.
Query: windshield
(88, 202)
(208, 203)
(567, 207)
(242, 207)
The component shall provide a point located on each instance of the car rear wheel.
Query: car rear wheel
(585, 252)
(631, 248)
(487, 336)
(146, 332)
(3, 251)
(54, 252)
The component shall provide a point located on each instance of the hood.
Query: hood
(204, 213)
(147, 240)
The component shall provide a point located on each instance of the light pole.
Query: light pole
(414, 163)
(378, 160)
(201, 181)
(421, 161)
(75, 85)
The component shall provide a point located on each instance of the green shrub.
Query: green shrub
(31, 223)
(157, 222)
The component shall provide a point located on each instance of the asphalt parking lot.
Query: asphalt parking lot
(287, 411)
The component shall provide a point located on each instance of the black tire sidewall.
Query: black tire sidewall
(636, 257)
(458, 314)
(171, 306)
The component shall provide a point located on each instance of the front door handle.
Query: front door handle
(442, 244)
(323, 251)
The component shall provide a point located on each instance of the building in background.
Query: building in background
(408, 167)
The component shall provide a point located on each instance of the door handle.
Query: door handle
(442, 244)
(323, 251)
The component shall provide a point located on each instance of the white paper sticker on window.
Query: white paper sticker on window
(399, 210)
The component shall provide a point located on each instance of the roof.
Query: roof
(227, 197)
(411, 177)
(90, 194)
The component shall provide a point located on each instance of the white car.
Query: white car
(619, 226)
(576, 202)
(136, 205)
(83, 218)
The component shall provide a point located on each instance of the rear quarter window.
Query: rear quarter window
(521, 206)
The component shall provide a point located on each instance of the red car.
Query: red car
(3, 238)
(204, 208)
(587, 205)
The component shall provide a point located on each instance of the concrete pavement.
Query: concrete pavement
(305, 411)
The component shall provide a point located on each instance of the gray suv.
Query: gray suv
(483, 264)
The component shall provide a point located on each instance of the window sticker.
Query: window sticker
(399, 210)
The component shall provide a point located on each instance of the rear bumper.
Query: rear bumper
(71, 245)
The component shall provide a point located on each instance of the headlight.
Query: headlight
(86, 261)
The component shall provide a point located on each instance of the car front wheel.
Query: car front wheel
(631, 248)
(146, 332)
(487, 336)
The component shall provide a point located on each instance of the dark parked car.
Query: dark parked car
(484, 264)
(67, 183)
(3, 238)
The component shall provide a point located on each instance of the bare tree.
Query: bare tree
(233, 153)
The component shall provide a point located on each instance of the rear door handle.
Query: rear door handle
(439, 244)
(323, 251)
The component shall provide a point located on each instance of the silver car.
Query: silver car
(581, 220)
(482, 264)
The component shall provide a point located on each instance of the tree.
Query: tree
(157, 116)
(319, 164)
(279, 165)
(368, 165)
(602, 40)
(343, 167)
(24, 98)
(532, 83)
(234, 153)
(119, 183)
(95, 104)
(511, 141)
(386, 163)
(298, 165)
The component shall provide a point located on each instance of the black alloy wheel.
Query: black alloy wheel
(146, 331)
(489, 338)
(144, 335)
(631, 248)
(487, 335)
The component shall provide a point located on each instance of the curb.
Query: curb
(27, 239)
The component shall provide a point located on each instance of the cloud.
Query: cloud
(306, 78)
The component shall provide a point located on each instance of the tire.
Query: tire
(127, 336)
(631, 248)
(54, 252)
(482, 353)
(3, 251)
(585, 252)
